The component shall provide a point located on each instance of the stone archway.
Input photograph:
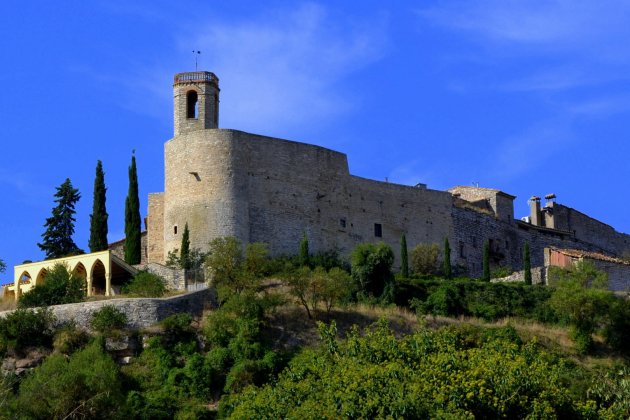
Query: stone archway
(99, 278)
(41, 277)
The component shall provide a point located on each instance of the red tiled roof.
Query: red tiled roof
(578, 253)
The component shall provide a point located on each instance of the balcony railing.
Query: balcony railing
(195, 76)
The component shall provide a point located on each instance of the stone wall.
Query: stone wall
(174, 278)
(539, 276)
(155, 228)
(118, 248)
(141, 312)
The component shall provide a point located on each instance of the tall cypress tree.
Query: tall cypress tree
(133, 247)
(448, 272)
(304, 252)
(57, 239)
(486, 261)
(98, 218)
(527, 265)
(184, 254)
(404, 257)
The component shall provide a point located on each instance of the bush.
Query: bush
(145, 284)
(68, 339)
(24, 328)
(372, 267)
(59, 287)
(108, 318)
(424, 259)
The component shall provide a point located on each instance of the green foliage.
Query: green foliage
(108, 318)
(404, 257)
(24, 328)
(314, 287)
(486, 261)
(184, 254)
(145, 284)
(196, 259)
(372, 267)
(256, 259)
(424, 259)
(304, 252)
(527, 265)
(490, 301)
(133, 226)
(57, 239)
(59, 287)
(447, 270)
(69, 339)
(500, 272)
(85, 386)
(3, 266)
(224, 262)
(581, 301)
(98, 218)
(450, 373)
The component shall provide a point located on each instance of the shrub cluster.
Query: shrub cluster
(145, 284)
(25, 328)
(59, 287)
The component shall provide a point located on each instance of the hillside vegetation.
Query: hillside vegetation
(310, 337)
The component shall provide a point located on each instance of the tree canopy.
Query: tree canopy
(133, 246)
(98, 218)
(57, 239)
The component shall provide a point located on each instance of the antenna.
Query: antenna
(196, 53)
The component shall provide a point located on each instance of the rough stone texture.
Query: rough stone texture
(141, 312)
(155, 228)
(539, 276)
(174, 278)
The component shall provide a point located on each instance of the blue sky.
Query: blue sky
(531, 97)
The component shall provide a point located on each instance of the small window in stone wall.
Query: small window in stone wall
(378, 230)
(342, 223)
(191, 104)
(175, 229)
(462, 253)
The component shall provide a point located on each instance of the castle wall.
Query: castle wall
(155, 228)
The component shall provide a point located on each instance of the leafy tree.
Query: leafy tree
(196, 259)
(256, 258)
(57, 239)
(372, 267)
(527, 265)
(133, 246)
(424, 258)
(98, 218)
(108, 318)
(3, 266)
(404, 257)
(447, 259)
(59, 287)
(86, 385)
(312, 287)
(184, 254)
(486, 261)
(304, 252)
(24, 328)
(145, 284)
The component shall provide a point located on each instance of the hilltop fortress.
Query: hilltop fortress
(262, 189)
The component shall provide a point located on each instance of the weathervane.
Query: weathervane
(196, 53)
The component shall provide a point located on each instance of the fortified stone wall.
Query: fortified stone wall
(155, 228)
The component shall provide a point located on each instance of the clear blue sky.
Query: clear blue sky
(531, 97)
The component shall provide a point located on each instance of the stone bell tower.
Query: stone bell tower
(196, 101)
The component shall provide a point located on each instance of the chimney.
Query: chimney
(534, 211)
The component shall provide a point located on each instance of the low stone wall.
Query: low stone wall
(141, 312)
(538, 277)
(174, 278)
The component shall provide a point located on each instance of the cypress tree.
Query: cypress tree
(184, 254)
(404, 257)
(98, 218)
(132, 218)
(57, 239)
(527, 266)
(486, 261)
(304, 252)
(448, 272)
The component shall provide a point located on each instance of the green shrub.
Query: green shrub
(68, 339)
(372, 267)
(424, 259)
(145, 284)
(24, 328)
(108, 318)
(59, 287)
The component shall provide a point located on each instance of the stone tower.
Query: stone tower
(196, 101)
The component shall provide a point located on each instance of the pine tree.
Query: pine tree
(57, 239)
(448, 272)
(304, 252)
(486, 261)
(98, 218)
(184, 254)
(404, 257)
(132, 218)
(527, 266)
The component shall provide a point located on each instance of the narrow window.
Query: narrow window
(191, 104)
(378, 230)
(175, 229)
(342, 223)
(461, 250)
